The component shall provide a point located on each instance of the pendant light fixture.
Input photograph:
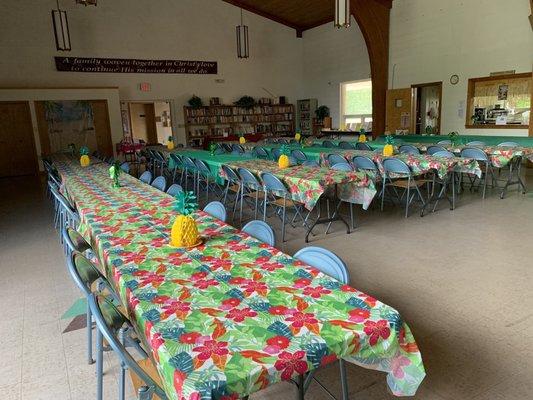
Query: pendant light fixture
(87, 2)
(243, 49)
(342, 13)
(61, 32)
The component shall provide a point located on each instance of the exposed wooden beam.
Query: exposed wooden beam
(275, 18)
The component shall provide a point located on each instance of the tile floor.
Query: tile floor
(462, 280)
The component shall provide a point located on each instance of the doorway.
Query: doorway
(17, 145)
(427, 105)
(147, 121)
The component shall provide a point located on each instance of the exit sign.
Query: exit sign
(145, 87)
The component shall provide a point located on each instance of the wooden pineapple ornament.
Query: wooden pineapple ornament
(84, 159)
(170, 143)
(184, 231)
(283, 161)
(388, 150)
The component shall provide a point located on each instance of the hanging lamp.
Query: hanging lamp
(61, 32)
(243, 49)
(342, 13)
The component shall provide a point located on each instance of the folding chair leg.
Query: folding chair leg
(283, 221)
(99, 365)
(89, 317)
(407, 199)
(122, 377)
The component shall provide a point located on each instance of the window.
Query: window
(356, 105)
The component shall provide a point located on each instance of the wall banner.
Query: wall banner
(134, 66)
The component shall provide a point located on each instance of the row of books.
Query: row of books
(233, 110)
(240, 119)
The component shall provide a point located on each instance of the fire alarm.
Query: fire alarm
(145, 87)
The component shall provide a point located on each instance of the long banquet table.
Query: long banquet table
(232, 316)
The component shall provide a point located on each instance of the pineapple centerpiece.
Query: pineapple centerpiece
(84, 156)
(212, 148)
(298, 136)
(283, 161)
(170, 143)
(242, 140)
(454, 138)
(362, 135)
(114, 173)
(388, 150)
(184, 231)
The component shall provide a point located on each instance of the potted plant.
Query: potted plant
(195, 101)
(245, 102)
(322, 114)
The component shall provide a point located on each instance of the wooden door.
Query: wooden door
(17, 145)
(399, 104)
(102, 127)
(151, 128)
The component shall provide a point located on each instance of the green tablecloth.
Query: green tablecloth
(233, 315)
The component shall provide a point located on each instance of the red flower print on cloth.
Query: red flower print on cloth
(230, 303)
(299, 319)
(239, 315)
(358, 315)
(375, 330)
(290, 363)
(397, 365)
(147, 278)
(205, 283)
(179, 308)
(271, 266)
(316, 292)
(189, 337)
(198, 275)
(278, 310)
(235, 245)
(348, 288)
(302, 282)
(211, 348)
(253, 286)
(281, 341)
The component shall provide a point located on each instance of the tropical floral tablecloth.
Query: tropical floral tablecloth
(420, 164)
(306, 184)
(499, 156)
(233, 315)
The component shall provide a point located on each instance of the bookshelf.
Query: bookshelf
(304, 115)
(216, 121)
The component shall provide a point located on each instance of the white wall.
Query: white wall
(163, 29)
(332, 56)
(430, 40)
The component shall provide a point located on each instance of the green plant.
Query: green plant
(195, 102)
(212, 148)
(245, 102)
(429, 130)
(322, 112)
(454, 137)
(84, 151)
(114, 173)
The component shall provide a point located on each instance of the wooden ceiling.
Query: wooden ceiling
(297, 14)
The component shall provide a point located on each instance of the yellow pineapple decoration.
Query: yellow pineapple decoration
(388, 150)
(362, 135)
(283, 161)
(84, 159)
(242, 140)
(170, 143)
(297, 136)
(184, 231)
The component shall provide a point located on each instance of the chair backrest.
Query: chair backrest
(444, 142)
(125, 166)
(396, 166)
(202, 167)
(248, 179)
(325, 261)
(237, 147)
(311, 163)
(260, 152)
(363, 146)
(346, 145)
(274, 184)
(364, 162)
(476, 143)
(188, 163)
(227, 147)
(74, 241)
(508, 144)
(444, 153)
(216, 209)
(174, 189)
(408, 149)
(176, 159)
(433, 149)
(316, 145)
(108, 321)
(335, 159)
(342, 166)
(231, 175)
(299, 155)
(261, 231)
(160, 183)
(283, 141)
(474, 153)
(146, 177)
(83, 272)
(276, 153)
(65, 205)
(220, 150)
(328, 143)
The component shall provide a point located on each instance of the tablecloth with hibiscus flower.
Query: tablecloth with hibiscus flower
(232, 316)
(307, 183)
(420, 164)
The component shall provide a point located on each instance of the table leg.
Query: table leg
(335, 217)
(441, 196)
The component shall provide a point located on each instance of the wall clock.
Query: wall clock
(454, 79)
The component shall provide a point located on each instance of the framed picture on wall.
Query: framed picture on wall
(503, 90)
